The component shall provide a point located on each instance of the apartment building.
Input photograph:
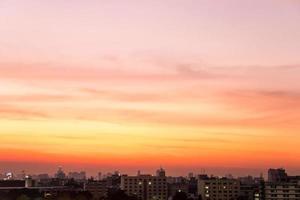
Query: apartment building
(215, 188)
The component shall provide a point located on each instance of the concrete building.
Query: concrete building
(161, 172)
(282, 191)
(99, 176)
(29, 182)
(251, 188)
(214, 188)
(77, 176)
(12, 183)
(43, 176)
(277, 175)
(146, 187)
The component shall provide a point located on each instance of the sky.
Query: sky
(189, 85)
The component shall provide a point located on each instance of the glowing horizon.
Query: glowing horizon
(183, 84)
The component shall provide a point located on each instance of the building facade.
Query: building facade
(146, 187)
(78, 176)
(214, 188)
(277, 175)
(282, 191)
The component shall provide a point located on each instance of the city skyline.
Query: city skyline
(279, 184)
(269, 174)
(130, 85)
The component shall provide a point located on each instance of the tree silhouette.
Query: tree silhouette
(23, 197)
(119, 195)
(180, 196)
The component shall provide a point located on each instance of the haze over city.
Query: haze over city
(127, 85)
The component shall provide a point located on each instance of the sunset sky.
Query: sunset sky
(100, 85)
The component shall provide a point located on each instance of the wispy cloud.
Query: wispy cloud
(34, 98)
(52, 72)
(8, 111)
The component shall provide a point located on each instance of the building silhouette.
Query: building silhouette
(146, 187)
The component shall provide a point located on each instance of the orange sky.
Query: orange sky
(182, 84)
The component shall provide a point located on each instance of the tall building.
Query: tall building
(251, 188)
(43, 176)
(280, 186)
(114, 180)
(99, 176)
(214, 188)
(29, 182)
(282, 191)
(277, 175)
(161, 172)
(78, 176)
(146, 187)
(60, 174)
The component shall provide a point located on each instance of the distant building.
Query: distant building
(78, 176)
(193, 186)
(100, 176)
(51, 182)
(214, 188)
(43, 176)
(191, 175)
(2, 176)
(60, 174)
(146, 187)
(179, 179)
(29, 182)
(277, 175)
(113, 180)
(12, 184)
(161, 172)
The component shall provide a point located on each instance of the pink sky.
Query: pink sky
(106, 82)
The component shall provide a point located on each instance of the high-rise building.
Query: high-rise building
(78, 176)
(251, 188)
(146, 187)
(29, 182)
(161, 172)
(281, 186)
(215, 188)
(277, 175)
(190, 175)
(99, 176)
(60, 174)
(43, 176)
(282, 191)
